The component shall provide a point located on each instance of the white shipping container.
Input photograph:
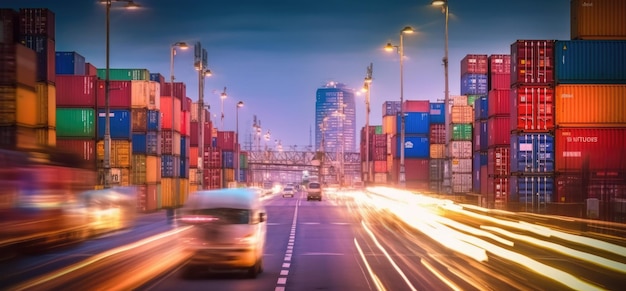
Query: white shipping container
(461, 149)
(380, 178)
(145, 94)
(461, 183)
(461, 166)
(460, 100)
(437, 151)
(193, 172)
(462, 114)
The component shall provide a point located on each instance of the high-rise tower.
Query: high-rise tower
(335, 118)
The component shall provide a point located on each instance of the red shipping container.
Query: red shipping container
(498, 131)
(194, 135)
(180, 90)
(90, 70)
(416, 106)
(193, 157)
(380, 140)
(9, 26)
(187, 104)
(437, 133)
(484, 180)
(166, 111)
(226, 140)
(532, 62)
(498, 188)
(499, 103)
(185, 124)
(212, 178)
(532, 108)
(119, 94)
(415, 169)
(147, 197)
(85, 148)
(474, 64)
(19, 65)
(379, 154)
(498, 161)
(590, 149)
(500, 64)
(76, 91)
(212, 158)
(380, 166)
(499, 82)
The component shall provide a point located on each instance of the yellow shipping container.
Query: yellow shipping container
(585, 105)
(193, 176)
(146, 169)
(437, 151)
(184, 190)
(389, 124)
(228, 175)
(17, 106)
(119, 177)
(46, 104)
(18, 136)
(46, 136)
(120, 153)
(167, 192)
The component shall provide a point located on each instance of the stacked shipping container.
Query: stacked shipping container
(172, 194)
(377, 167)
(437, 135)
(532, 124)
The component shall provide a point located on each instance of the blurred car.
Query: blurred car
(289, 191)
(314, 191)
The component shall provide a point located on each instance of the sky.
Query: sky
(273, 55)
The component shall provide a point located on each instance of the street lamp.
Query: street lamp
(367, 87)
(239, 105)
(106, 164)
(400, 50)
(222, 98)
(446, 100)
(182, 46)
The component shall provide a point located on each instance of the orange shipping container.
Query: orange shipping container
(380, 166)
(120, 153)
(462, 114)
(193, 157)
(46, 104)
(16, 106)
(437, 151)
(598, 19)
(46, 136)
(145, 94)
(591, 105)
(167, 192)
(147, 196)
(146, 169)
(389, 124)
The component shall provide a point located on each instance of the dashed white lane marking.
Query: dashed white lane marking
(282, 280)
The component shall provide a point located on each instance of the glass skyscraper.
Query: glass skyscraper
(335, 118)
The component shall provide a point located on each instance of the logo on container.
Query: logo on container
(408, 145)
(582, 139)
(567, 95)
(587, 4)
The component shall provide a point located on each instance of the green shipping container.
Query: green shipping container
(462, 131)
(471, 98)
(125, 74)
(379, 129)
(76, 122)
(243, 161)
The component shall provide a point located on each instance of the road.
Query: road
(379, 240)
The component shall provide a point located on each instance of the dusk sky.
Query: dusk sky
(274, 54)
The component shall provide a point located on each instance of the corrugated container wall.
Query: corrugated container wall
(9, 25)
(437, 113)
(437, 133)
(462, 131)
(474, 64)
(166, 110)
(391, 108)
(180, 90)
(598, 19)
(532, 62)
(499, 102)
(19, 65)
(145, 94)
(91, 70)
(499, 72)
(119, 123)
(46, 112)
(16, 106)
(499, 161)
(37, 21)
(590, 149)
(416, 106)
(531, 108)
(170, 142)
(145, 120)
(590, 61)
(121, 151)
(481, 108)
(462, 114)
(145, 169)
(76, 122)
(226, 140)
(84, 148)
(414, 123)
(532, 153)
(414, 146)
(147, 143)
(474, 84)
(481, 136)
(44, 47)
(498, 131)
(591, 105)
(119, 94)
(532, 190)
(76, 91)
(69, 63)
(125, 74)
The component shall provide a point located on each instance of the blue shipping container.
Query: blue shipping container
(184, 147)
(170, 166)
(391, 108)
(228, 159)
(42, 46)
(147, 143)
(531, 190)
(414, 147)
(184, 167)
(243, 176)
(532, 153)
(481, 108)
(474, 84)
(154, 120)
(437, 113)
(483, 136)
(157, 77)
(414, 123)
(214, 142)
(590, 61)
(119, 123)
(69, 63)
(480, 159)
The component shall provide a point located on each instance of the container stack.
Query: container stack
(185, 145)
(377, 154)
(146, 143)
(244, 171)
(37, 32)
(196, 170)
(416, 144)
(532, 124)
(498, 131)
(590, 112)
(227, 143)
(479, 168)
(437, 135)
(391, 109)
(462, 117)
(171, 108)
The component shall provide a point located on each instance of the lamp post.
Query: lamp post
(446, 173)
(222, 98)
(182, 46)
(239, 105)
(106, 163)
(367, 86)
(200, 65)
(400, 49)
